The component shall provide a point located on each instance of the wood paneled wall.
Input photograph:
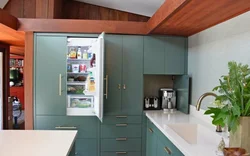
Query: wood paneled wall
(79, 10)
(67, 9)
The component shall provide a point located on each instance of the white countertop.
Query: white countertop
(200, 137)
(36, 142)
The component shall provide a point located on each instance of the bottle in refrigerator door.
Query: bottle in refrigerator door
(92, 62)
(90, 83)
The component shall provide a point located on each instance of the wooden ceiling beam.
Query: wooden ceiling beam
(167, 9)
(8, 31)
(199, 15)
(8, 20)
(80, 26)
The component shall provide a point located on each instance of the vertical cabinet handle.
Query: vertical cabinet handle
(60, 84)
(150, 130)
(107, 83)
(168, 150)
(119, 86)
(121, 152)
(124, 86)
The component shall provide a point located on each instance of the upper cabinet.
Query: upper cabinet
(165, 55)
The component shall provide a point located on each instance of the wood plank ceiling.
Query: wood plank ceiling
(174, 17)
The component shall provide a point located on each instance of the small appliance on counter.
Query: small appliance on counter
(151, 103)
(168, 99)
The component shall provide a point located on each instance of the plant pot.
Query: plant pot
(241, 138)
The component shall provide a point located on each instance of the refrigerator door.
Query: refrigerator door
(99, 48)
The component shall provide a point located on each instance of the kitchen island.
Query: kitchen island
(190, 135)
(36, 142)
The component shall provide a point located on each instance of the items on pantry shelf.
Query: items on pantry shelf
(72, 53)
(75, 68)
(79, 53)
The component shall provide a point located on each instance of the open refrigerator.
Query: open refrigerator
(85, 76)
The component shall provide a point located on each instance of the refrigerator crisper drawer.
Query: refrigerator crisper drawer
(80, 105)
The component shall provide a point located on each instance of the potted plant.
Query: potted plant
(234, 102)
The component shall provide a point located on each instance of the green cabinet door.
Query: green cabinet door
(175, 55)
(151, 141)
(154, 55)
(113, 68)
(50, 67)
(132, 75)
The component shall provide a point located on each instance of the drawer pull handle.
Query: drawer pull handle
(121, 152)
(119, 86)
(121, 139)
(120, 116)
(60, 84)
(121, 125)
(124, 86)
(168, 150)
(65, 127)
(150, 130)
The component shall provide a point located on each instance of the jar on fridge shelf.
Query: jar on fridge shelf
(72, 53)
(79, 53)
(75, 68)
(85, 55)
(83, 68)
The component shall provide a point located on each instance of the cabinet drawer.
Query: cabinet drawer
(87, 126)
(122, 119)
(121, 153)
(121, 130)
(128, 145)
(86, 147)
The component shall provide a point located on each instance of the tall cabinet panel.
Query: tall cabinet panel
(175, 49)
(154, 55)
(113, 68)
(132, 75)
(50, 72)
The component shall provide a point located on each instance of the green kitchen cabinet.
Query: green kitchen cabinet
(113, 68)
(157, 144)
(49, 68)
(165, 55)
(151, 140)
(87, 126)
(154, 55)
(132, 75)
(175, 55)
(124, 67)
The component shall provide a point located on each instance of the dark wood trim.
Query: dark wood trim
(6, 80)
(167, 9)
(28, 80)
(82, 26)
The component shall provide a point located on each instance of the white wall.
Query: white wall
(210, 51)
(1, 91)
